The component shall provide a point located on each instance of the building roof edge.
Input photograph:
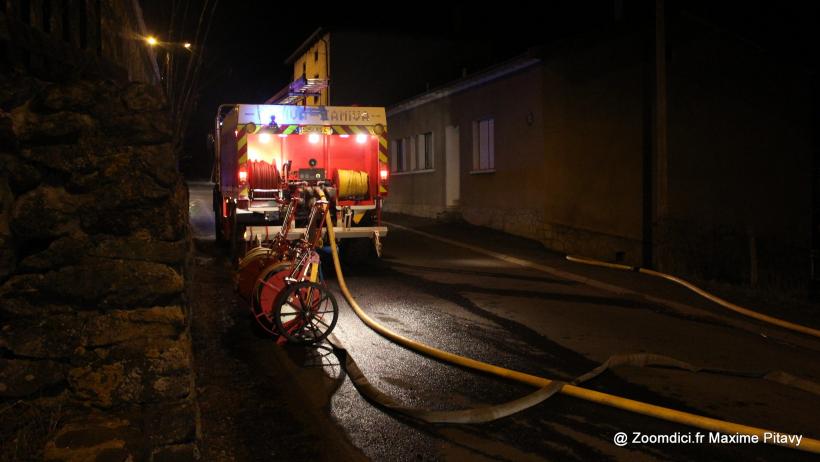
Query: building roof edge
(465, 83)
(305, 45)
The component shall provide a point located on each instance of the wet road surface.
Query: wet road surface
(473, 305)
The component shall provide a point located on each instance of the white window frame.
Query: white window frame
(413, 154)
(424, 156)
(484, 145)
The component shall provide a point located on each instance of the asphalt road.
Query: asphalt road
(480, 307)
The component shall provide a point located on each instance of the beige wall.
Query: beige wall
(568, 154)
(593, 151)
(739, 165)
(502, 199)
(510, 198)
(419, 193)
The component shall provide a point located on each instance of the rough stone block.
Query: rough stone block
(158, 161)
(170, 387)
(24, 307)
(60, 335)
(64, 158)
(61, 252)
(50, 128)
(79, 95)
(138, 128)
(8, 139)
(176, 453)
(121, 326)
(170, 423)
(22, 377)
(104, 283)
(135, 248)
(120, 376)
(21, 175)
(46, 212)
(52, 337)
(16, 88)
(8, 253)
(142, 97)
(96, 438)
(104, 383)
(166, 222)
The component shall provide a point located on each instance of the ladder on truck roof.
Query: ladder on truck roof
(298, 91)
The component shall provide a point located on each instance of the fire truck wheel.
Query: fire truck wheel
(237, 240)
(238, 244)
(305, 313)
(219, 235)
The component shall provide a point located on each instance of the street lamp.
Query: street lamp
(168, 68)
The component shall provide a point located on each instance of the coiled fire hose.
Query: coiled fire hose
(546, 385)
(352, 183)
(724, 303)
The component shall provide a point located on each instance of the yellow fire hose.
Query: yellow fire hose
(352, 183)
(651, 410)
(724, 303)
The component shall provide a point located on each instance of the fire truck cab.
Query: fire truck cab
(265, 153)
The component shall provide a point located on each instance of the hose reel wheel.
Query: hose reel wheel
(305, 313)
(263, 176)
(267, 287)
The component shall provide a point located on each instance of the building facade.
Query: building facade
(689, 150)
(562, 148)
(374, 68)
(526, 149)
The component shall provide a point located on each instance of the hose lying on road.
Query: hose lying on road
(651, 410)
(474, 415)
(714, 298)
(494, 412)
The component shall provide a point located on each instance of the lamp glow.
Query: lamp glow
(361, 138)
(313, 138)
(264, 138)
(151, 40)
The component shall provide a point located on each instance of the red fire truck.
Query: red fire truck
(265, 152)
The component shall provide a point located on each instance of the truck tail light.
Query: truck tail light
(383, 174)
(243, 175)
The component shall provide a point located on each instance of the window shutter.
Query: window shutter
(476, 165)
(394, 154)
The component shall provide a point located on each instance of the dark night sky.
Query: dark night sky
(250, 40)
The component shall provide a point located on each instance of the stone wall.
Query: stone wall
(95, 355)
